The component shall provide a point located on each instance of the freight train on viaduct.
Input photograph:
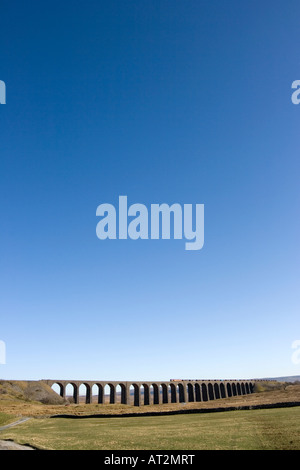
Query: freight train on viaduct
(148, 393)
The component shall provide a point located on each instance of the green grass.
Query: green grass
(251, 429)
(6, 419)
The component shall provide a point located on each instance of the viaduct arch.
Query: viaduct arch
(148, 393)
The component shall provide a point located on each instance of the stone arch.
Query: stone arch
(190, 392)
(238, 388)
(87, 392)
(217, 390)
(233, 387)
(154, 393)
(210, 391)
(173, 393)
(146, 394)
(136, 394)
(75, 391)
(181, 393)
(99, 392)
(112, 392)
(197, 392)
(61, 388)
(247, 388)
(204, 392)
(120, 394)
(229, 391)
(243, 388)
(222, 391)
(164, 391)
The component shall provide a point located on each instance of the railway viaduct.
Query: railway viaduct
(147, 393)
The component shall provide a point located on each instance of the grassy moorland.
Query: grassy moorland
(265, 429)
(274, 428)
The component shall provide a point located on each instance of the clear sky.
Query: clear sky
(168, 101)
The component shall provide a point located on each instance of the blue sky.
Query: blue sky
(165, 102)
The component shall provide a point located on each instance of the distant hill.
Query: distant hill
(288, 378)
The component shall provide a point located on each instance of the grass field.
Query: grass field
(248, 429)
(6, 419)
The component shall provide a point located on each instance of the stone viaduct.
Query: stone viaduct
(146, 393)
